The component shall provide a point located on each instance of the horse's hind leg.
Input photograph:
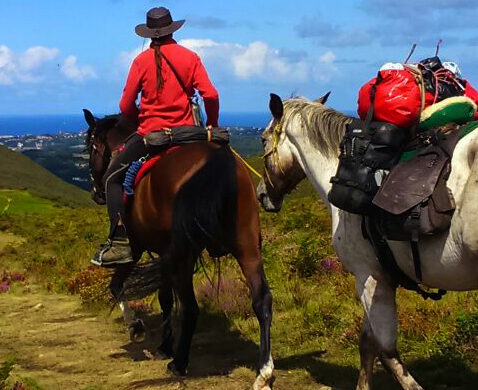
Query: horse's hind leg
(165, 296)
(378, 299)
(368, 354)
(182, 278)
(250, 260)
(136, 327)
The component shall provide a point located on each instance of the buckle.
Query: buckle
(415, 215)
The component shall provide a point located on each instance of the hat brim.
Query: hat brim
(144, 31)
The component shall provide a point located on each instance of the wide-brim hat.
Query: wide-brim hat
(159, 23)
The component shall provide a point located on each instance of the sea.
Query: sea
(53, 124)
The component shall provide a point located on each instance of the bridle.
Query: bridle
(105, 156)
(276, 133)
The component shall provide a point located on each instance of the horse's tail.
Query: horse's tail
(205, 208)
(204, 216)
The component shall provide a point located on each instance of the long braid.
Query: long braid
(156, 45)
(158, 58)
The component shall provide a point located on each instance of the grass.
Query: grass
(317, 316)
(22, 202)
(19, 172)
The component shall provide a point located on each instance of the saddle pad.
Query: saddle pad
(458, 109)
(145, 168)
(464, 131)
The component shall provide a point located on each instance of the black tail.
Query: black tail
(204, 216)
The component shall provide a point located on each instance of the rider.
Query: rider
(164, 104)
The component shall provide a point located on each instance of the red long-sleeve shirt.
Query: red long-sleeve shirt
(168, 106)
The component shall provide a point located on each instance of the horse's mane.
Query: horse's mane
(324, 126)
(103, 125)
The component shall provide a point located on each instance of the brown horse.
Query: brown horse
(198, 196)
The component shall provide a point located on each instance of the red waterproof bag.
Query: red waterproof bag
(472, 93)
(397, 98)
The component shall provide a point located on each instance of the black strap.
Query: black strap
(370, 113)
(389, 264)
(416, 260)
(180, 81)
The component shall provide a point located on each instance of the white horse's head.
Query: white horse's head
(282, 170)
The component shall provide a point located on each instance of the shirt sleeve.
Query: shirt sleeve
(127, 103)
(208, 92)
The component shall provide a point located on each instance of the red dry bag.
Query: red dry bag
(397, 98)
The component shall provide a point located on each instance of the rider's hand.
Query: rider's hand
(209, 127)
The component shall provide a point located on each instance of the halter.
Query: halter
(276, 133)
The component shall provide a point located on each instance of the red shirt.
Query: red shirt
(169, 106)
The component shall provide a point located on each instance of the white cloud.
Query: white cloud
(24, 67)
(258, 60)
(35, 56)
(125, 58)
(38, 64)
(75, 72)
(254, 61)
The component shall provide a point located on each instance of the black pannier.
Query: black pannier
(363, 151)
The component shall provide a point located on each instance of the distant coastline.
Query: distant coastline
(16, 125)
(19, 125)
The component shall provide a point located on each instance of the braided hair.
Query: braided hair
(156, 44)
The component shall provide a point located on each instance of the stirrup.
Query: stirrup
(98, 257)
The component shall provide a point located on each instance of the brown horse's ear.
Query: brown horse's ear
(90, 119)
(276, 106)
(323, 99)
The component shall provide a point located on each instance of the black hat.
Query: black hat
(159, 23)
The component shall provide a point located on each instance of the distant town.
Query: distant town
(64, 153)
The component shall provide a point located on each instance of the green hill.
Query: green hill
(20, 173)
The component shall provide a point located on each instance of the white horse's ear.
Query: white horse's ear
(90, 119)
(276, 106)
(323, 99)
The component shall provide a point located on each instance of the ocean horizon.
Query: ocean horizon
(16, 125)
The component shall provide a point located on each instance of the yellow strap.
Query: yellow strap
(246, 163)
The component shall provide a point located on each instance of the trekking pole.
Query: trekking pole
(414, 46)
(440, 41)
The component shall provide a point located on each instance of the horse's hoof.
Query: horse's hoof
(179, 372)
(262, 383)
(164, 353)
(137, 331)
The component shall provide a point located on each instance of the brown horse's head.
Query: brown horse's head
(101, 141)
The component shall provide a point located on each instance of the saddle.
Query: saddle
(414, 200)
(162, 142)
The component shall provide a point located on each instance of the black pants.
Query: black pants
(134, 149)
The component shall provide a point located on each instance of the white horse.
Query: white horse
(302, 140)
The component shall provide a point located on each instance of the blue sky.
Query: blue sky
(61, 56)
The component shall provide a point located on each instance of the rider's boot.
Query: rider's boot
(117, 250)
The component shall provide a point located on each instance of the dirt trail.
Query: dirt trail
(61, 345)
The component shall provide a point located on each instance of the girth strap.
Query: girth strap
(389, 264)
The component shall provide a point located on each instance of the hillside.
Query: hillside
(64, 307)
(21, 173)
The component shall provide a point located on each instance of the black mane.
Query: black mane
(102, 127)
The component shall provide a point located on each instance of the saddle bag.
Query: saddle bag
(364, 151)
(414, 200)
(159, 140)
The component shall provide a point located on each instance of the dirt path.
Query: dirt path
(59, 344)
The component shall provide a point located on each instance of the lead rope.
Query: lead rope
(246, 163)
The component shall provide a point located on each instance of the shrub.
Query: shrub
(92, 284)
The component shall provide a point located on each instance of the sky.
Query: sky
(57, 57)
